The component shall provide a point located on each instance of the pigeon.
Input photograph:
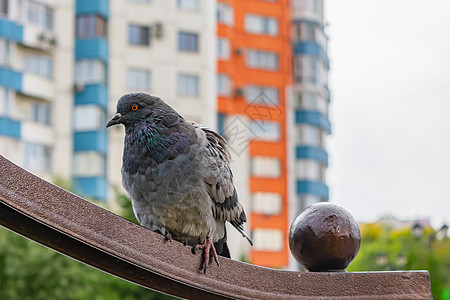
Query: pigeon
(177, 174)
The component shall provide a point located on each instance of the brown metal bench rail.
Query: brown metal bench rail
(40, 211)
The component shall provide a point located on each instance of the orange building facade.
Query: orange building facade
(254, 80)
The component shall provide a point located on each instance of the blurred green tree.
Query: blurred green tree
(31, 271)
(388, 249)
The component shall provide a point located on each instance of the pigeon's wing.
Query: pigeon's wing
(219, 180)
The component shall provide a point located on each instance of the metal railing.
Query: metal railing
(64, 222)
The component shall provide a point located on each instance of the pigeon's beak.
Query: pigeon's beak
(114, 120)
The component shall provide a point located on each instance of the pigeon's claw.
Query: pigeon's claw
(167, 237)
(208, 249)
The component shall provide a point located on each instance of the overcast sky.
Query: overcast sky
(390, 83)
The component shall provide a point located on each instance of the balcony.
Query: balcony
(92, 94)
(38, 86)
(10, 79)
(35, 36)
(90, 141)
(313, 187)
(91, 187)
(95, 48)
(313, 118)
(312, 48)
(99, 7)
(9, 127)
(311, 152)
(10, 30)
(37, 133)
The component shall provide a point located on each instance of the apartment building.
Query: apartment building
(254, 70)
(254, 79)
(64, 65)
(36, 105)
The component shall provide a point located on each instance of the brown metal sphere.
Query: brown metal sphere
(324, 237)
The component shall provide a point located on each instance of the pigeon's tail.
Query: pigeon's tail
(225, 252)
(240, 228)
(221, 247)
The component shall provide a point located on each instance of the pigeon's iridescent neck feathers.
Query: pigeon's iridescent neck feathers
(156, 140)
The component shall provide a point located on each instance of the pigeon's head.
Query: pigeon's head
(133, 108)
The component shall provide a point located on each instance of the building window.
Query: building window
(187, 41)
(306, 200)
(306, 5)
(311, 136)
(88, 164)
(306, 70)
(266, 203)
(5, 101)
(307, 169)
(140, 1)
(225, 14)
(138, 35)
(39, 14)
(4, 7)
(90, 26)
(261, 25)
(36, 157)
(188, 85)
(138, 79)
(262, 95)
(223, 85)
(41, 113)
(262, 59)
(312, 102)
(38, 64)
(188, 4)
(263, 166)
(88, 118)
(265, 130)
(5, 50)
(223, 48)
(89, 71)
(304, 31)
(267, 239)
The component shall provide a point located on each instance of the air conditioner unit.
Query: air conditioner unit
(158, 30)
(47, 37)
(41, 37)
(239, 92)
(52, 41)
(78, 87)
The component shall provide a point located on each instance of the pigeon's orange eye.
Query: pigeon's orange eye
(134, 108)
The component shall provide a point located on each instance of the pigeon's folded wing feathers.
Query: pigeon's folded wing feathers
(219, 180)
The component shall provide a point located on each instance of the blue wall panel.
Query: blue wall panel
(10, 79)
(90, 141)
(9, 127)
(312, 187)
(10, 30)
(302, 20)
(96, 94)
(95, 48)
(313, 118)
(312, 48)
(311, 152)
(91, 187)
(100, 7)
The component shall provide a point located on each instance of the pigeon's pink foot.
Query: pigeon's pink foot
(208, 249)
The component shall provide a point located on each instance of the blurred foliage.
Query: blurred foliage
(31, 271)
(389, 249)
(126, 210)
